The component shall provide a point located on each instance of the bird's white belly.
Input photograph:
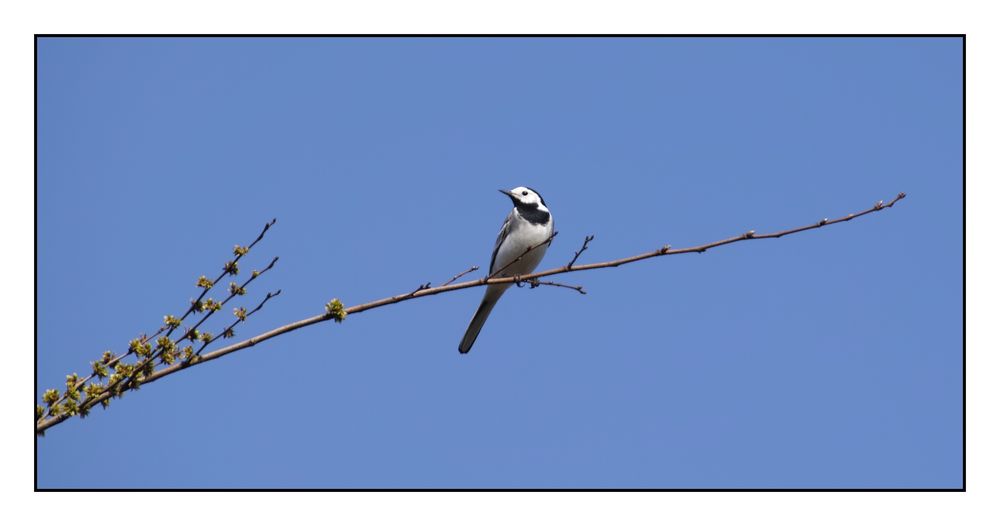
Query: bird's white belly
(530, 235)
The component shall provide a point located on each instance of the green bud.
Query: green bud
(93, 390)
(69, 407)
(140, 347)
(71, 381)
(164, 343)
(335, 309)
(100, 369)
(168, 357)
(167, 349)
(50, 396)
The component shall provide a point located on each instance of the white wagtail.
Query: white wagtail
(528, 225)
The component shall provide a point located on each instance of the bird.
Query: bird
(528, 225)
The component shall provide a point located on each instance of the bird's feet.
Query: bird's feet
(520, 282)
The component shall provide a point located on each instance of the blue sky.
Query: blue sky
(827, 359)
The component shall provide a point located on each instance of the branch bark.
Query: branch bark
(449, 286)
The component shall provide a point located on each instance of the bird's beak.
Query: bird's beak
(507, 193)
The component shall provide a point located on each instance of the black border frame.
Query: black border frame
(961, 36)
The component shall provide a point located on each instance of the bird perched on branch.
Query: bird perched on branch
(520, 246)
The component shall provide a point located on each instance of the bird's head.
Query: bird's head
(522, 196)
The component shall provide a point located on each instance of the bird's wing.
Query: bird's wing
(504, 230)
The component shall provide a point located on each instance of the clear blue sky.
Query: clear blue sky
(831, 358)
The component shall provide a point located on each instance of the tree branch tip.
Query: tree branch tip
(473, 268)
(534, 283)
(576, 255)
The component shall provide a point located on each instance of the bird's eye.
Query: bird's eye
(524, 192)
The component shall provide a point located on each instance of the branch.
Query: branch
(133, 373)
(532, 279)
(229, 268)
(192, 333)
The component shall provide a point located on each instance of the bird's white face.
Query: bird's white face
(526, 196)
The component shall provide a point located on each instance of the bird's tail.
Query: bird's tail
(489, 300)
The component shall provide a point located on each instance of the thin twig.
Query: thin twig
(666, 250)
(534, 283)
(460, 274)
(235, 323)
(225, 271)
(423, 286)
(232, 294)
(586, 241)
